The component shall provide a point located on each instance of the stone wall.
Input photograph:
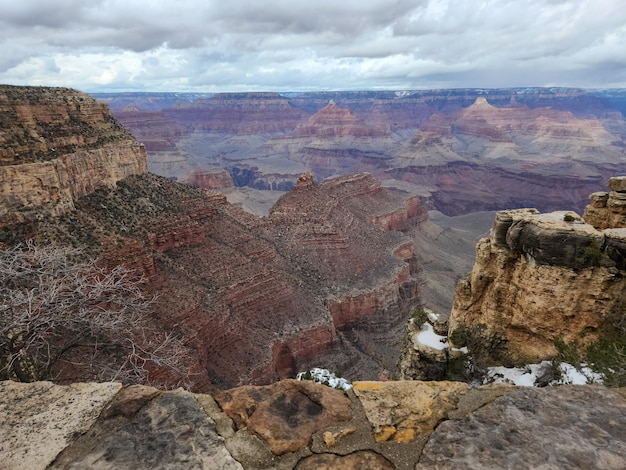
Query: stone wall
(379, 425)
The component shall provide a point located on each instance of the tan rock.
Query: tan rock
(38, 420)
(537, 278)
(331, 439)
(402, 410)
(287, 413)
(62, 145)
(617, 183)
(608, 210)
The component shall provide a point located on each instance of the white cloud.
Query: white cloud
(296, 44)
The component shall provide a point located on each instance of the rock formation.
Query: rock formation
(335, 121)
(218, 179)
(57, 145)
(608, 209)
(541, 276)
(380, 425)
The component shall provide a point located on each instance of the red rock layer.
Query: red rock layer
(207, 179)
(151, 128)
(240, 113)
(256, 299)
(335, 121)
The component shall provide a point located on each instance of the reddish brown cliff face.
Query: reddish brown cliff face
(335, 121)
(255, 299)
(249, 113)
(216, 179)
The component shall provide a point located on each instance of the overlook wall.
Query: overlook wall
(401, 425)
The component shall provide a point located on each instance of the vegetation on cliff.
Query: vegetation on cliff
(62, 318)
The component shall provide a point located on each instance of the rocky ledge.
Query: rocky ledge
(57, 145)
(542, 276)
(304, 425)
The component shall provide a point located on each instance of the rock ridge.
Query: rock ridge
(57, 145)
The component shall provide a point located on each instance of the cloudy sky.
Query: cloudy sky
(291, 45)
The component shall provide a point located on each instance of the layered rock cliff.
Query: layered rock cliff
(254, 298)
(542, 276)
(57, 145)
(302, 425)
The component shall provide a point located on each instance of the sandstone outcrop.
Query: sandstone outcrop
(537, 277)
(608, 209)
(447, 425)
(57, 145)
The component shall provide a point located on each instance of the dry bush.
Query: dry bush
(63, 318)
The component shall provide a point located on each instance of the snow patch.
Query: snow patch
(527, 376)
(325, 377)
(428, 337)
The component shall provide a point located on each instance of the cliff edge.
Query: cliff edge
(57, 145)
(542, 276)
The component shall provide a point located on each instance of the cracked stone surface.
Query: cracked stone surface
(105, 426)
(549, 428)
(38, 420)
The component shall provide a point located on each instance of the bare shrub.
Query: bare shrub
(63, 318)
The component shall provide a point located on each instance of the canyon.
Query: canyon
(328, 277)
(461, 151)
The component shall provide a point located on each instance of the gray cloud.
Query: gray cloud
(291, 44)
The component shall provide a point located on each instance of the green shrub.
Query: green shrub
(606, 356)
(419, 316)
(593, 253)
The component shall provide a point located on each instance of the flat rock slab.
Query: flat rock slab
(402, 410)
(287, 413)
(548, 428)
(38, 420)
(172, 431)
